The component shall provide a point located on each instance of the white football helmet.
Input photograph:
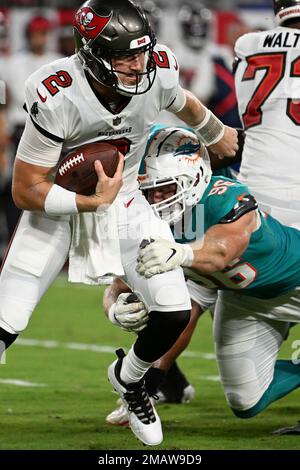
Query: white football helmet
(175, 155)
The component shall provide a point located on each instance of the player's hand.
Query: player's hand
(107, 188)
(160, 256)
(228, 145)
(129, 313)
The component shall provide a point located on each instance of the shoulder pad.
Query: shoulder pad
(246, 204)
(247, 44)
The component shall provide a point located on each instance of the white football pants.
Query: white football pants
(248, 335)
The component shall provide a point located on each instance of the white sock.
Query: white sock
(133, 368)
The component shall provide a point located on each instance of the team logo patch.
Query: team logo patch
(34, 109)
(117, 121)
(89, 24)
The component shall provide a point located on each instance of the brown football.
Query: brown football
(76, 171)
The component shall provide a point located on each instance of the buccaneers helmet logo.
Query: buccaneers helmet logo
(89, 24)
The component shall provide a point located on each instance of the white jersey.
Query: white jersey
(63, 106)
(268, 92)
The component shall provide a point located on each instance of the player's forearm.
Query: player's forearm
(109, 298)
(112, 293)
(32, 198)
(218, 249)
(33, 191)
(210, 131)
(193, 111)
(210, 256)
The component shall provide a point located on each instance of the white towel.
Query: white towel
(95, 256)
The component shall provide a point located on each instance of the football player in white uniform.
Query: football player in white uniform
(111, 90)
(267, 81)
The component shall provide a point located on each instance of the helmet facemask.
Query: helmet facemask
(172, 208)
(99, 65)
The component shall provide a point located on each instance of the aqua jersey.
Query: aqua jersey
(271, 264)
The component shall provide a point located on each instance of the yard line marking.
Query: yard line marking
(21, 383)
(49, 344)
(211, 378)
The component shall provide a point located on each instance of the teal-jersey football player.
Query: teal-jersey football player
(235, 256)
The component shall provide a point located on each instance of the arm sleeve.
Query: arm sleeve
(178, 102)
(37, 149)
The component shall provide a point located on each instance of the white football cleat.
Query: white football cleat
(143, 418)
(188, 394)
(119, 416)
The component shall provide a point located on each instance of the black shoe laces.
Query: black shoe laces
(139, 403)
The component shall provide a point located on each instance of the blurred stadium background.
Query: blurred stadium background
(54, 390)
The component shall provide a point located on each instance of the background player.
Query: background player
(267, 86)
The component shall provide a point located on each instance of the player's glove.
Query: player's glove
(159, 256)
(129, 313)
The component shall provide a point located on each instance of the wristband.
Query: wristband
(210, 130)
(60, 201)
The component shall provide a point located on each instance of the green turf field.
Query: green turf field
(68, 407)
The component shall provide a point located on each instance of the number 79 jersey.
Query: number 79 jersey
(267, 81)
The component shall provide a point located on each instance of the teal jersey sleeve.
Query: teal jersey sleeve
(220, 198)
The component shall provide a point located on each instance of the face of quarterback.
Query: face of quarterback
(160, 193)
(128, 66)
